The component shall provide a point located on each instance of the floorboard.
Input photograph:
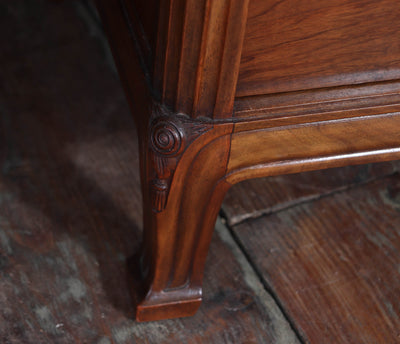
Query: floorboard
(256, 197)
(334, 263)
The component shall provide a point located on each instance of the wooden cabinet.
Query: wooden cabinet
(226, 90)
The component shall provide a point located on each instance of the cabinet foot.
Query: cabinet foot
(167, 305)
(184, 185)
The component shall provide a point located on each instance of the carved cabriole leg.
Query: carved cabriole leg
(184, 188)
(186, 55)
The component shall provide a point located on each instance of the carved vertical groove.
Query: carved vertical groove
(198, 55)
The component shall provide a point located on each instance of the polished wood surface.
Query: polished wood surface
(70, 201)
(196, 139)
(294, 45)
(316, 105)
(196, 53)
(318, 145)
(70, 216)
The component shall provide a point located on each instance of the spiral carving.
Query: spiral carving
(166, 138)
(169, 137)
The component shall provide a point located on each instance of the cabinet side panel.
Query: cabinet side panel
(143, 17)
(148, 12)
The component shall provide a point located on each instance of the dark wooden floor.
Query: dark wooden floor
(308, 258)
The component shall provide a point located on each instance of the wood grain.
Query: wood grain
(177, 235)
(198, 55)
(333, 263)
(296, 45)
(334, 102)
(292, 149)
(175, 152)
(193, 147)
(70, 202)
(70, 216)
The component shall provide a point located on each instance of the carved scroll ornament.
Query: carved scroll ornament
(170, 136)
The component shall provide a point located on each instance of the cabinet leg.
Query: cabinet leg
(184, 170)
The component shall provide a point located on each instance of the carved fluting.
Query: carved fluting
(169, 138)
(159, 189)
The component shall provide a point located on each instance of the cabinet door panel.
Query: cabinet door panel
(304, 44)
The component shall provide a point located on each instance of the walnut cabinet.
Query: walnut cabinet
(226, 90)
